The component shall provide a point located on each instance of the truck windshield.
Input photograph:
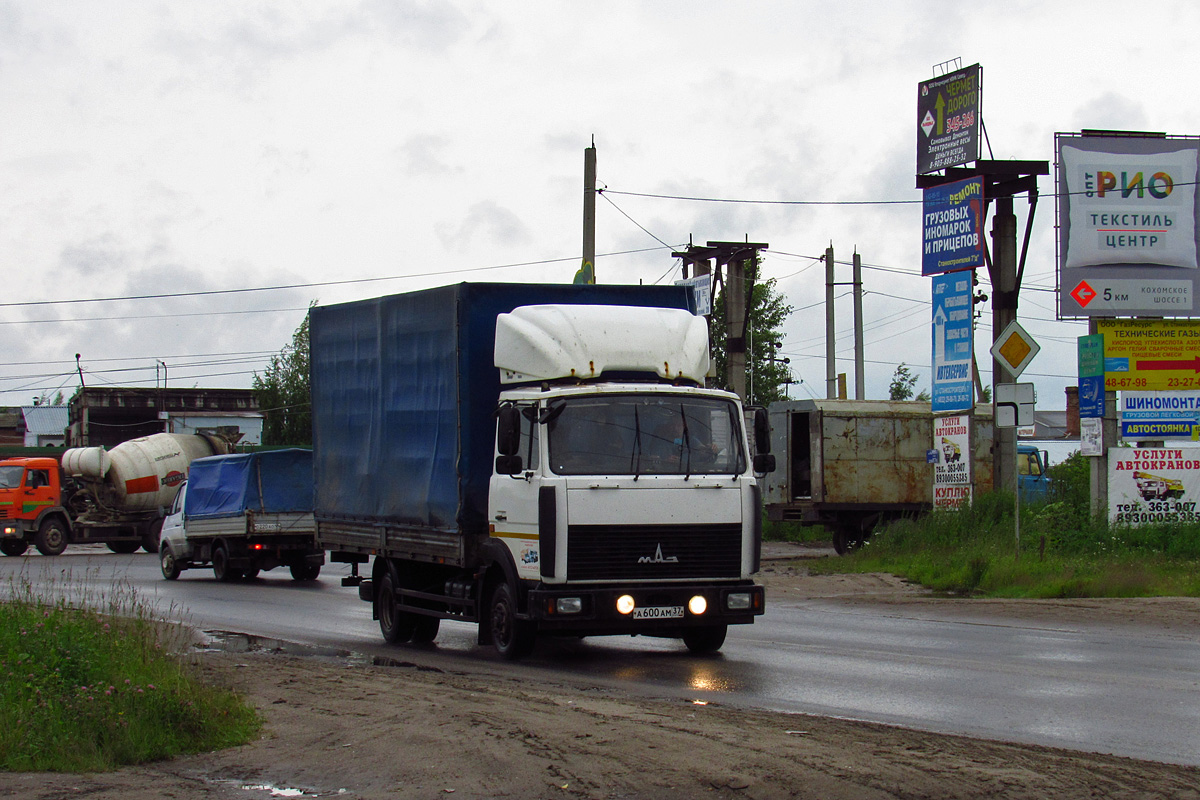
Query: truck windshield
(640, 435)
(10, 477)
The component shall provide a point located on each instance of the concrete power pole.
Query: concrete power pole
(587, 270)
(1004, 311)
(860, 380)
(831, 382)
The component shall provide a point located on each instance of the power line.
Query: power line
(762, 202)
(149, 316)
(280, 287)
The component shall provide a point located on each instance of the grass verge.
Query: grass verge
(90, 684)
(1062, 553)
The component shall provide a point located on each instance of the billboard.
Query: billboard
(1159, 415)
(1127, 222)
(952, 469)
(1143, 354)
(1153, 485)
(948, 119)
(952, 224)
(1091, 375)
(952, 388)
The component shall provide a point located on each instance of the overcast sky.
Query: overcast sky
(152, 148)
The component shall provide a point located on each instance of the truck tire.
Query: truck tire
(220, 564)
(305, 572)
(705, 640)
(150, 539)
(13, 547)
(512, 637)
(51, 538)
(124, 548)
(168, 562)
(396, 626)
(426, 628)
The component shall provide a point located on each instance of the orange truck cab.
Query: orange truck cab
(32, 507)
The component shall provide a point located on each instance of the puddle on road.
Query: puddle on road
(232, 642)
(254, 790)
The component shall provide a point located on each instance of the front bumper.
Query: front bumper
(655, 609)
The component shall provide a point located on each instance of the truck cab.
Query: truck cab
(31, 506)
(626, 505)
(1032, 478)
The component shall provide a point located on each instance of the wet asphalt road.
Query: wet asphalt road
(1110, 689)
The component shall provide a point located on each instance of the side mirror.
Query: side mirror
(762, 432)
(764, 463)
(508, 430)
(508, 465)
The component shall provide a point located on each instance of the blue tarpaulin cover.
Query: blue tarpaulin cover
(403, 391)
(268, 482)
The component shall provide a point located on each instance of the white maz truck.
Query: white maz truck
(536, 459)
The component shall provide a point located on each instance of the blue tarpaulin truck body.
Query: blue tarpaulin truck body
(271, 481)
(404, 389)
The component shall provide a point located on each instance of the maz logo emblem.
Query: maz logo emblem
(658, 558)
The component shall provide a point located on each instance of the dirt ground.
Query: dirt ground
(336, 729)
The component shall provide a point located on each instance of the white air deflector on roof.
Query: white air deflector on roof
(536, 343)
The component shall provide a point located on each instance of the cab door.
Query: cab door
(39, 492)
(513, 502)
(173, 533)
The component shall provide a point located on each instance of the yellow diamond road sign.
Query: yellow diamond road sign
(1014, 348)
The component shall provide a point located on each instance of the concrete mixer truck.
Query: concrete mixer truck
(115, 497)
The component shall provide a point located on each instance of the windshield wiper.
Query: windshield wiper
(686, 445)
(636, 458)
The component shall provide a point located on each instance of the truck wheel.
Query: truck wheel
(251, 573)
(846, 539)
(14, 547)
(152, 535)
(124, 548)
(426, 628)
(305, 572)
(512, 637)
(705, 640)
(170, 566)
(220, 564)
(51, 538)
(396, 626)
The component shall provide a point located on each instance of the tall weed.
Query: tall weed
(90, 682)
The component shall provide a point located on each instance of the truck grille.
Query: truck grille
(653, 552)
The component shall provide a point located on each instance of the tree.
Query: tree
(767, 376)
(903, 385)
(284, 392)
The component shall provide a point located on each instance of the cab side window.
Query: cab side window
(37, 479)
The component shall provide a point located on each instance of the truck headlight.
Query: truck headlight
(568, 605)
(10, 531)
(738, 602)
(625, 604)
(698, 605)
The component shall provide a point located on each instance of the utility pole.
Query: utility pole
(1003, 271)
(831, 386)
(587, 270)
(738, 291)
(860, 378)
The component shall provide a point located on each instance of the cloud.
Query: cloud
(423, 155)
(485, 222)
